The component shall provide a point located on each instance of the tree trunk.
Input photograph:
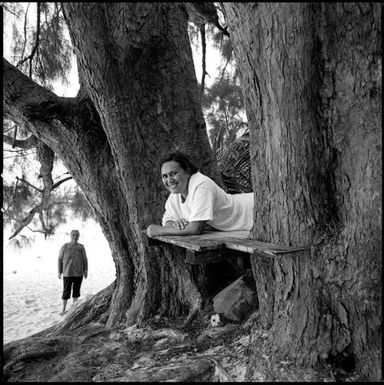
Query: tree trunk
(139, 99)
(311, 76)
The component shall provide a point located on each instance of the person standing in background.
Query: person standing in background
(73, 265)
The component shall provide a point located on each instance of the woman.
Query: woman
(73, 264)
(197, 201)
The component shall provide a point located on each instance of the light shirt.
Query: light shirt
(72, 260)
(206, 201)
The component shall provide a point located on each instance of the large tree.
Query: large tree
(311, 77)
(311, 82)
(138, 99)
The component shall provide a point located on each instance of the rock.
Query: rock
(216, 321)
(236, 301)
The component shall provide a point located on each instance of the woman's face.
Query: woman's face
(175, 178)
(75, 236)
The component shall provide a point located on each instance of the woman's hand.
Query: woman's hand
(180, 227)
(180, 223)
(153, 230)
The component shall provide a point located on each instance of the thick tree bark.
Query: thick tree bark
(141, 79)
(311, 75)
(73, 130)
(139, 99)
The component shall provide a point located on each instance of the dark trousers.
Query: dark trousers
(73, 283)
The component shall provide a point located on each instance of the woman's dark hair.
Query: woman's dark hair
(182, 159)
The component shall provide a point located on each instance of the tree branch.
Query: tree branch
(207, 12)
(25, 29)
(204, 49)
(29, 184)
(46, 157)
(34, 107)
(57, 184)
(14, 137)
(18, 154)
(5, 209)
(25, 144)
(49, 117)
(6, 8)
(46, 231)
(26, 221)
(36, 45)
(223, 72)
(19, 90)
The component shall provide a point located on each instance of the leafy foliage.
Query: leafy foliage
(42, 49)
(225, 114)
(14, 198)
(224, 45)
(235, 164)
(80, 206)
(194, 34)
(54, 55)
(21, 194)
(19, 198)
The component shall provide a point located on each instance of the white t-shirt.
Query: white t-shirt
(206, 201)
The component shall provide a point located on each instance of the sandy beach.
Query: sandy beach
(31, 288)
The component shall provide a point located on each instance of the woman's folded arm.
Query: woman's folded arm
(192, 228)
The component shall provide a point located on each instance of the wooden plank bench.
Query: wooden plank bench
(212, 246)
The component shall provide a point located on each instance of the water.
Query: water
(31, 288)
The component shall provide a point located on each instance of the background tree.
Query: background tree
(38, 198)
(24, 189)
(223, 102)
(311, 76)
(224, 111)
(228, 132)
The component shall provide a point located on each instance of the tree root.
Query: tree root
(89, 311)
(219, 368)
(191, 317)
(186, 371)
(17, 354)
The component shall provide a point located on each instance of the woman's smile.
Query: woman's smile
(175, 178)
(172, 185)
